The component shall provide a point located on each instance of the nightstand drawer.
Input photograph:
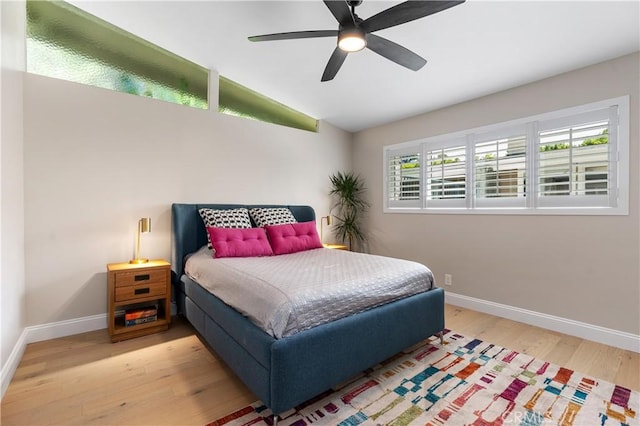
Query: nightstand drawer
(143, 277)
(141, 291)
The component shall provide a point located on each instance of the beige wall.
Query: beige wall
(584, 268)
(12, 275)
(96, 161)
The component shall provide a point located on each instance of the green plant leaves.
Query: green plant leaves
(348, 194)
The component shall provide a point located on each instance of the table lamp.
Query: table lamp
(144, 225)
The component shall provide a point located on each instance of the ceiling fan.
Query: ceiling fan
(355, 34)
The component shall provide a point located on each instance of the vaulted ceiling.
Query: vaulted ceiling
(473, 49)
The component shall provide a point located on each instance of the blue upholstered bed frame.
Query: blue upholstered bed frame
(285, 372)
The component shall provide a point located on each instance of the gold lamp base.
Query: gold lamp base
(138, 261)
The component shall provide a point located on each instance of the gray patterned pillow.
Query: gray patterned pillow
(230, 218)
(272, 216)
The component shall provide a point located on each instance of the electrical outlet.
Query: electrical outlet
(448, 279)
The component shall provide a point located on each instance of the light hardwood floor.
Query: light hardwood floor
(172, 378)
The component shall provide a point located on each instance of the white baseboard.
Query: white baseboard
(607, 336)
(53, 330)
(9, 368)
(48, 331)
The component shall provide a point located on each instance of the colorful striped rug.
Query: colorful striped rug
(465, 382)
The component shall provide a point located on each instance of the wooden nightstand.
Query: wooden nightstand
(134, 286)
(336, 246)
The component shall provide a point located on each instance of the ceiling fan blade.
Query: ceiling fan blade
(394, 52)
(335, 62)
(406, 12)
(340, 10)
(294, 35)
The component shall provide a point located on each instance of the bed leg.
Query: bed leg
(275, 420)
(441, 335)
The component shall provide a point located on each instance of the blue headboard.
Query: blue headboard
(188, 233)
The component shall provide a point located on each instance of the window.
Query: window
(499, 167)
(235, 99)
(446, 175)
(573, 161)
(67, 43)
(403, 178)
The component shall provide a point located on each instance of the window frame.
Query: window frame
(618, 168)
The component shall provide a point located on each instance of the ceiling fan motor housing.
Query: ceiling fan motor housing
(352, 39)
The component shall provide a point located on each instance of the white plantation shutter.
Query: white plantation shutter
(403, 177)
(446, 175)
(572, 161)
(575, 164)
(499, 167)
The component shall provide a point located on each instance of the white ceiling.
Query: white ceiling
(473, 49)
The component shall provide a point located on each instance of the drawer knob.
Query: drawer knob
(141, 290)
(143, 277)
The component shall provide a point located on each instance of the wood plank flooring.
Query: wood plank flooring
(172, 378)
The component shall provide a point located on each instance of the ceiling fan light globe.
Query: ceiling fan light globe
(351, 41)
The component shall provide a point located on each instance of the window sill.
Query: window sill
(544, 211)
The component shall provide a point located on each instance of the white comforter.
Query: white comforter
(289, 293)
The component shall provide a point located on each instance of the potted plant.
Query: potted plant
(349, 204)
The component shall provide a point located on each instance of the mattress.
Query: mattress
(290, 293)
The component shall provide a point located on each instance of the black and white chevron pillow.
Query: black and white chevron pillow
(271, 216)
(231, 218)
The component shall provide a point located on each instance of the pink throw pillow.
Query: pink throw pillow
(239, 242)
(293, 237)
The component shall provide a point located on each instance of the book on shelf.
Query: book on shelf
(142, 320)
(142, 312)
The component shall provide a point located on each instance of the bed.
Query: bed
(287, 371)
